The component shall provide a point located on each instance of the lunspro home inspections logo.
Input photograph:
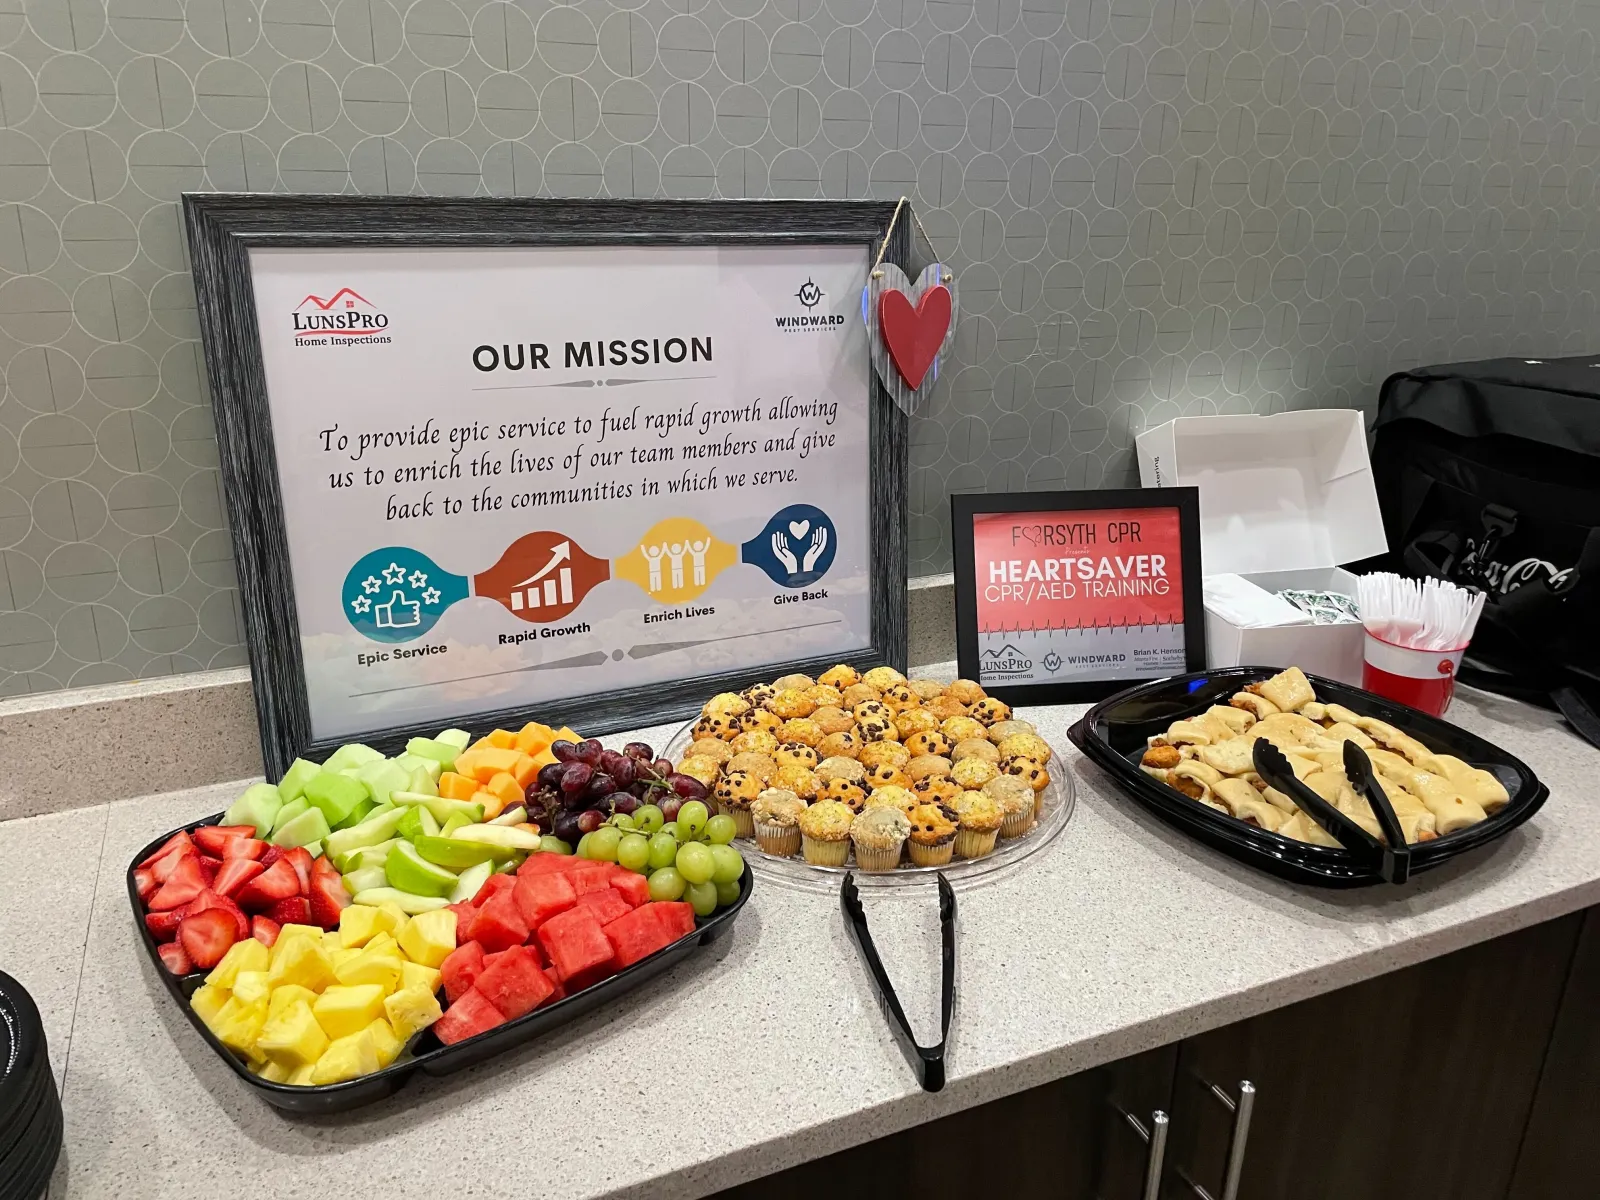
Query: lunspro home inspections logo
(347, 318)
(1007, 660)
(810, 321)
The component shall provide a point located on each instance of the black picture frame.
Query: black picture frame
(223, 228)
(965, 506)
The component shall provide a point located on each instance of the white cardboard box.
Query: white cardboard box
(1283, 499)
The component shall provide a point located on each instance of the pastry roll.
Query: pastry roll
(1252, 703)
(1288, 689)
(1472, 782)
(1245, 803)
(1339, 714)
(1314, 711)
(1416, 822)
(1303, 829)
(1280, 801)
(1160, 774)
(1237, 720)
(1231, 757)
(1189, 731)
(1343, 731)
(1451, 810)
(1301, 729)
(1203, 772)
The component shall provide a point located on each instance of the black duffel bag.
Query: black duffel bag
(1488, 474)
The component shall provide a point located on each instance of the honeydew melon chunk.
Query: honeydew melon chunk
(459, 738)
(471, 882)
(410, 872)
(351, 754)
(383, 777)
(499, 835)
(289, 812)
(418, 822)
(314, 849)
(512, 816)
(424, 773)
(440, 806)
(365, 878)
(454, 855)
(336, 794)
(258, 805)
(407, 902)
(310, 826)
(456, 821)
(357, 815)
(295, 778)
(441, 752)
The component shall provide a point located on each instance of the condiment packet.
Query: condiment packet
(1324, 608)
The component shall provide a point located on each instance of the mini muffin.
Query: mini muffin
(899, 697)
(735, 793)
(844, 792)
(726, 704)
(932, 742)
(776, 817)
(718, 726)
(946, 706)
(976, 748)
(825, 833)
(924, 765)
(1000, 730)
(791, 702)
(1025, 745)
(799, 780)
(877, 729)
(714, 748)
(702, 767)
(839, 745)
(892, 797)
(960, 729)
(937, 788)
(979, 818)
(882, 677)
(756, 741)
(800, 729)
(973, 773)
(795, 754)
(926, 689)
(841, 676)
(869, 709)
(879, 834)
(1025, 769)
(914, 720)
(1015, 799)
(966, 691)
(757, 694)
(876, 753)
(797, 681)
(824, 696)
(839, 767)
(832, 719)
(989, 710)
(750, 762)
(856, 693)
(760, 718)
(885, 775)
(933, 835)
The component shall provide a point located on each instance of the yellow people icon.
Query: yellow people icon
(676, 560)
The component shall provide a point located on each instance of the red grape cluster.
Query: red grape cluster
(587, 784)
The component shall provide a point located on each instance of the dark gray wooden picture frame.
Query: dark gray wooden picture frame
(222, 230)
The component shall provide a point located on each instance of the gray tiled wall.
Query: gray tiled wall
(1155, 206)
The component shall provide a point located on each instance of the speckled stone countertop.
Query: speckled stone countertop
(1120, 936)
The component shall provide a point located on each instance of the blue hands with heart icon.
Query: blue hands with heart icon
(795, 548)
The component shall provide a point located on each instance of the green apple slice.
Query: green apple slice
(441, 752)
(378, 827)
(410, 872)
(409, 902)
(499, 835)
(258, 806)
(289, 812)
(417, 822)
(365, 856)
(366, 877)
(351, 754)
(456, 855)
(455, 822)
(296, 777)
(440, 806)
(512, 816)
(310, 826)
(471, 882)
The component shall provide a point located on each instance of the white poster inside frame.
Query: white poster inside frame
(513, 475)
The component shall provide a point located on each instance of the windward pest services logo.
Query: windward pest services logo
(347, 318)
(810, 321)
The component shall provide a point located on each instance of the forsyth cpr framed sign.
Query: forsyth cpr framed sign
(589, 461)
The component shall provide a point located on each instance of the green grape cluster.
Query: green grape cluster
(689, 859)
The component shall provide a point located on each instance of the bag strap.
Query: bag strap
(1580, 714)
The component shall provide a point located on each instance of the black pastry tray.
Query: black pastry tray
(1113, 734)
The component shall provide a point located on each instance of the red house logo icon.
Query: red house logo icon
(344, 315)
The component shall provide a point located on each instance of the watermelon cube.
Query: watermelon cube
(606, 906)
(554, 977)
(492, 887)
(499, 924)
(646, 929)
(632, 887)
(596, 879)
(541, 897)
(465, 913)
(515, 984)
(460, 970)
(467, 1017)
(543, 863)
(577, 947)
(676, 916)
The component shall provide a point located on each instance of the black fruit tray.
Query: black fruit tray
(1114, 732)
(425, 1052)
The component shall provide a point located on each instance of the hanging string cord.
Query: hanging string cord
(889, 233)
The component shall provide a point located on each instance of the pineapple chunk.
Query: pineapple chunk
(274, 1072)
(238, 1025)
(397, 917)
(289, 933)
(358, 923)
(387, 1044)
(293, 1038)
(303, 961)
(416, 975)
(302, 1075)
(331, 940)
(348, 1057)
(342, 1011)
(430, 937)
(383, 943)
(209, 1000)
(410, 1010)
(371, 966)
(341, 956)
(284, 998)
(251, 986)
(246, 955)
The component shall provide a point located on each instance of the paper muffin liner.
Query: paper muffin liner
(877, 860)
(782, 840)
(975, 843)
(825, 854)
(1017, 824)
(744, 825)
(932, 856)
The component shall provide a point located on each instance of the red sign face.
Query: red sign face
(542, 576)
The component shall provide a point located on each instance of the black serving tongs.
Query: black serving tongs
(1391, 856)
(926, 1061)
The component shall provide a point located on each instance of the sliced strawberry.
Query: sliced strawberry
(178, 841)
(291, 910)
(209, 867)
(328, 899)
(264, 931)
(277, 882)
(214, 839)
(175, 958)
(145, 883)
(163, 926)
(235, 873)
(322, 866)
(206, 935)
(164, 866)
(300, 859)
(271, 854)
(244, 847)
(182, 886)
(212, 899)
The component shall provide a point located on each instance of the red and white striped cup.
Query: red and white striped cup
(1424, 679)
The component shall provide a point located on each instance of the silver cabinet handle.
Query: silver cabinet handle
(1242, 1108)
(1155, 1138)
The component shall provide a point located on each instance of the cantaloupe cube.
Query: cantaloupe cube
(534, 737)
(384, 1040)
(502, 739)
(457, 787)
(342, 1011)
(489, 762)
(294, 1037)
(241, 956)
(416, 975)
(251, 986)
(410, 1010)
(429, 937)
(302, 961)
(238, 1025)
(507, 789)
(348, 1057)
(542, 759)
(371, 966)
(567, 734)
(208, 1000)
(492, 804)
(286, 997)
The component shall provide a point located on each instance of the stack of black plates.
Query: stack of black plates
(30, 1110)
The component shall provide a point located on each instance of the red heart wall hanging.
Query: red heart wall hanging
(914, 336)
(910, 328)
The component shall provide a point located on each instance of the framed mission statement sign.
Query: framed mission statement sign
(1072, 595)
(585, 462)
